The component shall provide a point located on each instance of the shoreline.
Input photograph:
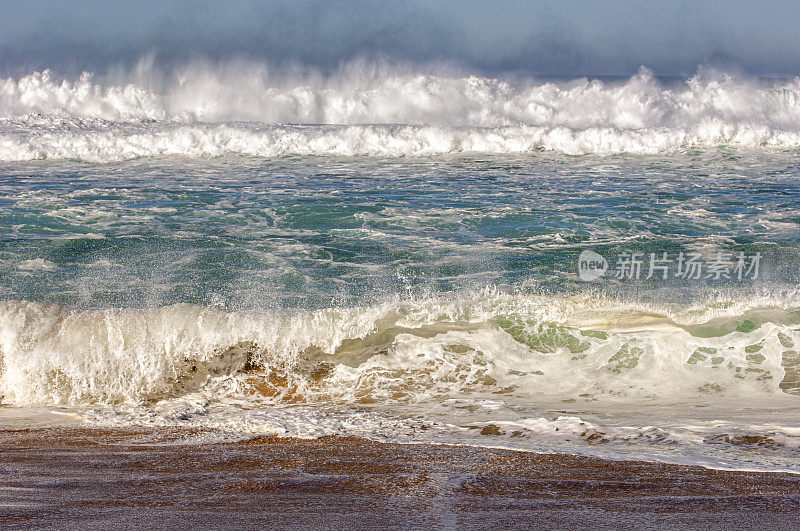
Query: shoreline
(80, 476)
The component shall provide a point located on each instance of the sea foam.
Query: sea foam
(480, 345)
(203, 110)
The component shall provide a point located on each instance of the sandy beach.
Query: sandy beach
(77, 477)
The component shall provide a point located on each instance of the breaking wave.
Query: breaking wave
(472, 346)
(206, 110)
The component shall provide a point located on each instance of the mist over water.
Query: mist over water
(538, 38)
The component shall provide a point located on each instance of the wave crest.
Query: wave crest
(483, 345)
(382, 111)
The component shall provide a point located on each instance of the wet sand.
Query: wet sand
(88, 478)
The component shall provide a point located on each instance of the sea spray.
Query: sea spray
(209, 110)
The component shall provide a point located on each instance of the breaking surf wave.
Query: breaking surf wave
(512, 347)
(204, 110)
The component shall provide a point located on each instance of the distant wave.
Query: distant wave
(202, 111)
(98, 141)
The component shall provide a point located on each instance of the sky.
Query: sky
(545, 38)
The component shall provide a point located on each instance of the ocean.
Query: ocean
(598, 267)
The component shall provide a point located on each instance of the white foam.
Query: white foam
(513, 347)
(37, 264)
(375, 110)
(56, 355)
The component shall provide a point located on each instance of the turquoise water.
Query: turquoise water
(243, 233)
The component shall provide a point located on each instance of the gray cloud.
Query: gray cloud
(530, 37)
